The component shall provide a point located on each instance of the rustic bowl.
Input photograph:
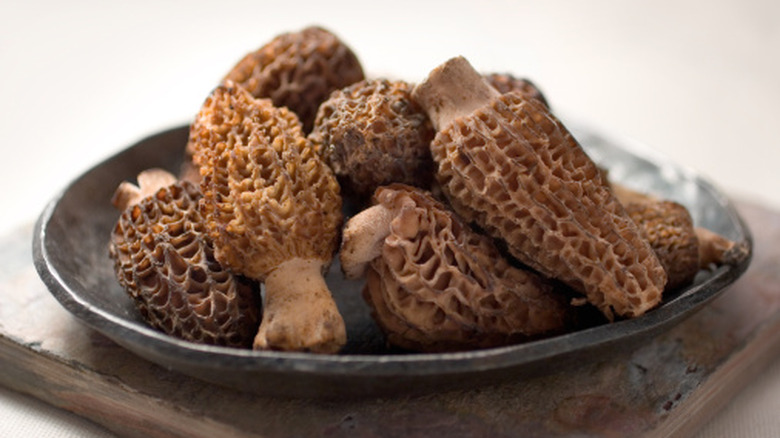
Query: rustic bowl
(70, 247)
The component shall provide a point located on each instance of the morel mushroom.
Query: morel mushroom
(298, 70)
(505, 83)
(668, 227)
(435, 285)
(371, 133)
(682, 248)
(273, 210)
(165, 261)
(507, 164)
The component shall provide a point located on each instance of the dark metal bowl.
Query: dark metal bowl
(70, 247)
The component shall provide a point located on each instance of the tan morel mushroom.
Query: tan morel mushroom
(165, 261)
(682, 248)
(507, 164)
(371, 133)
(274, 212)
(298, 70)
(435, 285)
(506, 83)
(669, 228)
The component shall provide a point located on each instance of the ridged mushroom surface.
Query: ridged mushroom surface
(683, 248)
(165, 261)
(298, 70)
(506, 83)
(669, 228)
(372, 133)
(273, 210)
(507, 164)
(436, 285)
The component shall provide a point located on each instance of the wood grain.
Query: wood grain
(668, 387)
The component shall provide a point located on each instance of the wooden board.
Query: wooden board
(668, 387)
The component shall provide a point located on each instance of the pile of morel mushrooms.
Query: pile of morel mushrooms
(483, 221)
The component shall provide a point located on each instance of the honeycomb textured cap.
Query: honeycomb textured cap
(669, 228)
(512, 168)
(228, 114)
(298, 70)
(267, 195)
(437, 285)
(516, 171)
(506, 83)
(165, 261)
(372, 133)
(674, 237)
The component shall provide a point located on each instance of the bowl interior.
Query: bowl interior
(71, 254)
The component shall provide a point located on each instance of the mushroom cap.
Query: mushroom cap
(298, 70)
(229, 113)
(372, 133)
(669, 228)
(438, 285)
(267, 195)
(165, 261)
(512, 168)
(506, 82)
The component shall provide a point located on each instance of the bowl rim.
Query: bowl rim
(141, 338)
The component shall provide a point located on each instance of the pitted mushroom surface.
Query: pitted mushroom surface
(506, 83)
(298, 70)
(436, 285)
(507, 164)
(273, 210)
(682, 248)
(165, 261)
(669, 228)
(372, 133)
(490, 225)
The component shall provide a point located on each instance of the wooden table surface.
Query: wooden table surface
(668, 387)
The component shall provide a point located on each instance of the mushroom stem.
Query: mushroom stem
(299, 313)
(149, 182)
(363, 237)
(716, 249)
(453, 89)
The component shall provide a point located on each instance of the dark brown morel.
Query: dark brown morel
(165, 261)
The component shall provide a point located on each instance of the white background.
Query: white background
(697, 80)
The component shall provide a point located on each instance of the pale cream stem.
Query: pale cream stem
(363, 238)
(299, 313)
(453, 89)
(149, 182)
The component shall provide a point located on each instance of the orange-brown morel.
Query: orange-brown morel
(434, 284)
(298, 70)
(508, 165)
(273, 210)
(164, 259)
